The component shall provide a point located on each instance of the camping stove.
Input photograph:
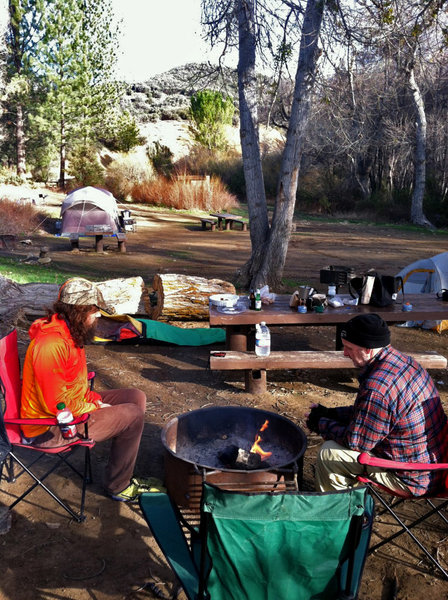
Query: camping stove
(217, 444)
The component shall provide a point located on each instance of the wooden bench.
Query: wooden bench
(208, 221)
(231, 221)
(255, 367)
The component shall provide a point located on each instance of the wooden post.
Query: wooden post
(99, 243)
(255, 380)
(236, 338)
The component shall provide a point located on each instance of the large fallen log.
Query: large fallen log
(185, 298)
(126, 295)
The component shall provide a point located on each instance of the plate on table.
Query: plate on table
(224, 300)
(231, 310)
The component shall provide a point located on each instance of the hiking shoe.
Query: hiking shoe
(138, 486)
(148, 484)
(129, 494)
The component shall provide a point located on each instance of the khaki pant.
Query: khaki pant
(337, 469)
(122, 423)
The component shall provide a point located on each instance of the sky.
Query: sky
(158, 35)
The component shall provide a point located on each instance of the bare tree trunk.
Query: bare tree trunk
(250, 145)
(62, 151)
(275, 253)
(417, 215)
(20, 142)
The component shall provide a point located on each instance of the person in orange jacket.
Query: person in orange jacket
(55, 370)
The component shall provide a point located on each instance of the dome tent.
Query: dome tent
(89, 209)
(424, 276)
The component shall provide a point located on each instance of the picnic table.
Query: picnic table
(227, 221)
(99, 239)
(238, 326)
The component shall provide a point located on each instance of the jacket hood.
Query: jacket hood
(45, 327)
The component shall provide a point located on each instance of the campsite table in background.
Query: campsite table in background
(228, 220)
(99, 239)
(238, 325)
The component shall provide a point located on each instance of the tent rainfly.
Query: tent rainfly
(89, 209)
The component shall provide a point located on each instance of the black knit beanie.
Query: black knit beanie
(367, 331)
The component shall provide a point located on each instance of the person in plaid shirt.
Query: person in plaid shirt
(397, 414)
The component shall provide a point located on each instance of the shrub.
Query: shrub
(125, 173)
(18, 218)
(227, 165)
(186, 193)
(210, 111)
(161, 158)
(85, 167)
(10, 176)
(123, 134)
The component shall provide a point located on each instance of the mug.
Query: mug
(304, 292)
(443, 294)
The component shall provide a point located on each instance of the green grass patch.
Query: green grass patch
(180, 254)
(290, 285)
(407, 227)
(23, 273)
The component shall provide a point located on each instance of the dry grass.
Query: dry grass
(18, 218)
(185, 193)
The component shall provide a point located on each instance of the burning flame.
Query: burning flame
(256, 448)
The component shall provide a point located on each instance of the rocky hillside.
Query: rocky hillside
(160, 105)
(167, 96)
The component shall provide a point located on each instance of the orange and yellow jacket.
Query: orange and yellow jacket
(55, 370)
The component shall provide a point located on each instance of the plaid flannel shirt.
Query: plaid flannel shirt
(397, 415)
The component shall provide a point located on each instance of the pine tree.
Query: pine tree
(77, 57)
(21, 39)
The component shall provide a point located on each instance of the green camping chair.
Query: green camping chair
(266, 546)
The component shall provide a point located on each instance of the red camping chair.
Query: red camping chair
(434, 503)
(10, 385)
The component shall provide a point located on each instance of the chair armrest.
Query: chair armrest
(373, 461)
(50, 421)
(91, 378)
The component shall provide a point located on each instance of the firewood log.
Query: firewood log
(126, 295)
(185, 298)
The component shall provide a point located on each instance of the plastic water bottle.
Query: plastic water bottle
(262, 339)
(64, 416)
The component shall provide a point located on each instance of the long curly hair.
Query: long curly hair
(75, 317)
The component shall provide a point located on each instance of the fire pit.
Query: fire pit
(219, 443)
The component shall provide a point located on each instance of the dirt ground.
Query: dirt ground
(111, 556)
